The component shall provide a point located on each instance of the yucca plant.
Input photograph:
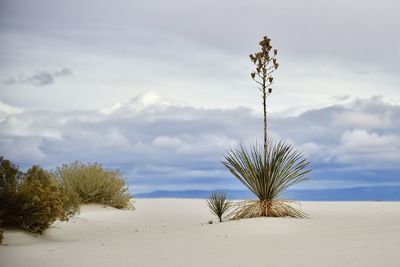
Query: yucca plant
(266, 171)
(284, 167)
(219, 204)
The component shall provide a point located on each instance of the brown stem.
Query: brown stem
(265, 129)
(265, 117)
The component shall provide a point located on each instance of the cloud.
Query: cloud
(173, 50)
(362, 120)
(7, 110)
(369, 149)
(25, 151)
(39, 78)
(157, 142)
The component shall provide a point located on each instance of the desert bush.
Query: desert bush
(70, 198)
(218, 204)
(92, 183)
(267, 178)
(43, 201)
(10, 177)
(31, 201)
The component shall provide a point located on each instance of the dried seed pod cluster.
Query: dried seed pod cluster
(265, 64)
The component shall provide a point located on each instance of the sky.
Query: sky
(162, 89)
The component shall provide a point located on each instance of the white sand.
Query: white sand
(172, 232)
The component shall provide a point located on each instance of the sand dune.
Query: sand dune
(174, 232)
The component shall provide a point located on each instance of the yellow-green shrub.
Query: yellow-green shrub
(43, 201)
(93, 184)
(30, 201)
(70, 198)
(10, 202)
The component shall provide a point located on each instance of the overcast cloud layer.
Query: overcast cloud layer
(75, 78)
(161, 145)
(197, 51)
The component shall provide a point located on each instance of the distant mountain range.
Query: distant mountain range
(381, 193)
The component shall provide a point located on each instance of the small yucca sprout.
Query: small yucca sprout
(219, 204)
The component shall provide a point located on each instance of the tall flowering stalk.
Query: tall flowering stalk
(266, 63)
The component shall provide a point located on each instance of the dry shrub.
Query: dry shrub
(92, 184)
(30, 201)
(275, 208)
(71, 199)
